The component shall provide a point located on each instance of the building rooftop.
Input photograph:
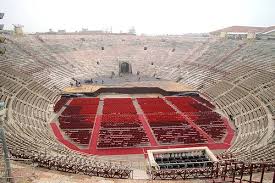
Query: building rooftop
(245, 29)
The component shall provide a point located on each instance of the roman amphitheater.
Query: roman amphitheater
(129, 108)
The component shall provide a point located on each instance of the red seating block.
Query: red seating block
(84, 101)
(79, 136)
(182, 133)
(211, 123)
(118, 106)
(121, 130)
(154, 105)
(188, 104)
(164, 118)
(76, 122)
(60, 104)
(200, 112)
(80, 110)
(77, 119)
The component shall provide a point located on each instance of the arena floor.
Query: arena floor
(130, 81)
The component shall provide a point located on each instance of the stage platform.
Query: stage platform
(130, 81)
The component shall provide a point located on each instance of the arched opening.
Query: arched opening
(124, 68)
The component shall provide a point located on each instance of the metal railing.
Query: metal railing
(231, 171)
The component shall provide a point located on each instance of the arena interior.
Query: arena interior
(142, 108)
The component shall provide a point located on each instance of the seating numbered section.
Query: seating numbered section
(80, 136)
(211, 123)
(61, 102)
(77, 120)
(168, 126)
(204, 117)
(121, 131)
(118, 106)
(172, 129)
(81, 106)
(188, 104)
(154, 105)
(120, 125)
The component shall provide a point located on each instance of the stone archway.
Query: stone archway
(125, 68)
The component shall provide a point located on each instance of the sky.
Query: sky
(151, 17)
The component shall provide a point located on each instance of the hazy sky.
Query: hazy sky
(147, 16)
